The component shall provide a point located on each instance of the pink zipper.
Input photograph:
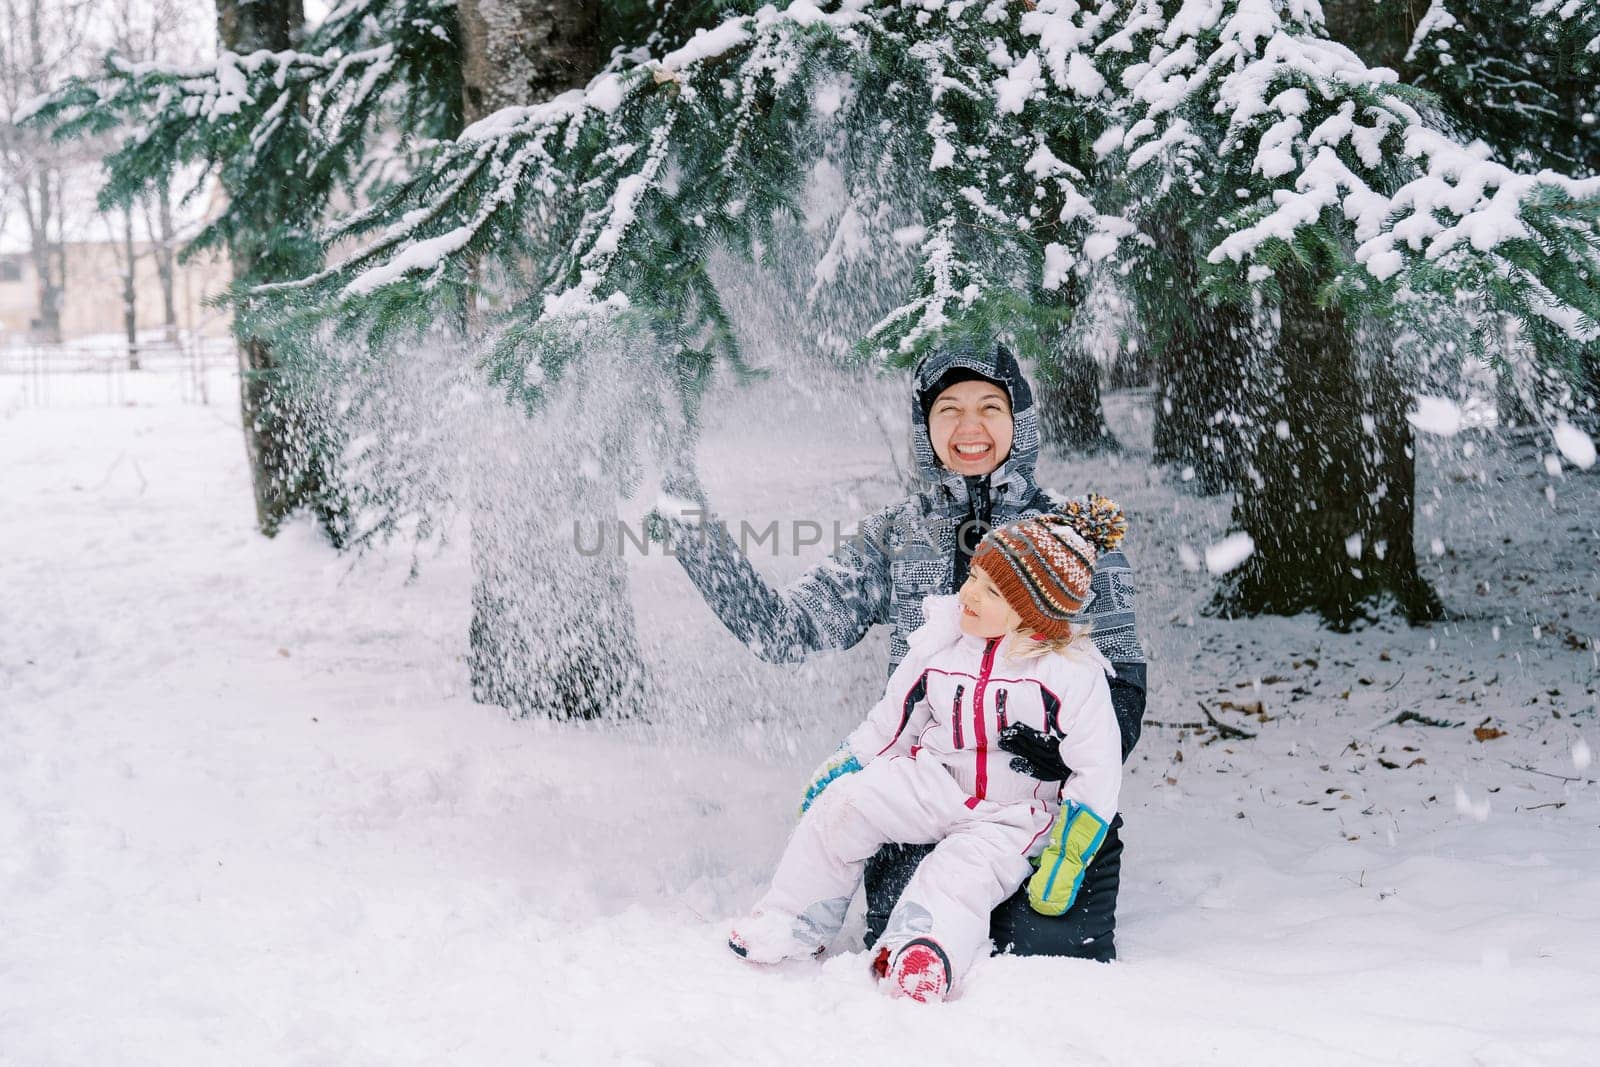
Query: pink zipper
(977, 717)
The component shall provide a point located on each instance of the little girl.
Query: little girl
(924, 767)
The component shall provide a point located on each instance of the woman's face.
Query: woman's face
(970, 427)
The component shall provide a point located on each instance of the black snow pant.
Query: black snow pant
(1088, 929)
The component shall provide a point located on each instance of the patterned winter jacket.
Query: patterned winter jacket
(909, 551)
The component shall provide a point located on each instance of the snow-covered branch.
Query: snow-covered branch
(1315, 139)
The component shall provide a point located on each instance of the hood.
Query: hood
(1013, 479)
(941, 625)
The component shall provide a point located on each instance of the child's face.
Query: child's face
(970, 427)
(984, 612)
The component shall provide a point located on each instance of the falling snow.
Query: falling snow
(217, 810)
(1229, 552)
(1576, 445)
(1437, 415)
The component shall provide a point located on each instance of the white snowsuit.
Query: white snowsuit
(932, 773)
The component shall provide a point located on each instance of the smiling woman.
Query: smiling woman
(975, 438)
(969, 425)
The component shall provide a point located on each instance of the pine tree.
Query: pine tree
(300, 134)
(607, 203)
(38, 39)
(1203, 347)
(552, 630)
(287, 126)
(1526, 79)
(1321, 188)
(1288, 162)
(1523, 78)
(1023, 150)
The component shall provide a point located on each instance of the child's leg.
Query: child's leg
(822, 864)
(981, 862)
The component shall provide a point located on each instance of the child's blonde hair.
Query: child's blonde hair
(1019, 645)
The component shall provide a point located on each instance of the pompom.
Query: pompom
(1098, 519)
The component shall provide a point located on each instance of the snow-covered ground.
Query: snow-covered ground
(249, 814)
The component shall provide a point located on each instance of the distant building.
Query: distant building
(92, 302)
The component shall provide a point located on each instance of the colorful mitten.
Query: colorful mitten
(1075, 837)
(841, 763)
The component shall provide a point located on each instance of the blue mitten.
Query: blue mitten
(841, 763)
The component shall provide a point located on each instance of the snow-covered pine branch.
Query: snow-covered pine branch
(1256, 96)
(1577, 18)
(610, 197)
(284, 129)
(1522, 78)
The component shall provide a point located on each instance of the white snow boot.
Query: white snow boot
(772, 937)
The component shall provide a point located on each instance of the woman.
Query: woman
(975, 436)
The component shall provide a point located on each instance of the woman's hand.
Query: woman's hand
(680, 498)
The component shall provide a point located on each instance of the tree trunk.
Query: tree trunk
(1511, 407)
(272, 441)
(49, 258)
(1132, 368)
(130, 293)
(1379, 31)
(247, 25)
(1198, 371)
(1589, 385)
(1071, 419)
(163, 244)
(1327, 493)
(518, 52)
(37, 174)
(552, 631)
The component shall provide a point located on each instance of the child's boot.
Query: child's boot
(919, 971)
(771, 937)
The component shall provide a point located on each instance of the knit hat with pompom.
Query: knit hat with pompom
(1043, 566)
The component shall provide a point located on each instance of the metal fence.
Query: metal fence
(101, 372)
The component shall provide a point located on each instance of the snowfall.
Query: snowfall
(249, 813)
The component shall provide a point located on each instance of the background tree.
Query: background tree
(285, 125)
(1526, 79)
(40, 40)
(1016, 153)
(1286, 160)
(1320, 187)
(153, 31)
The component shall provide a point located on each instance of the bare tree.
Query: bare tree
(130, 288)
(163, 235)
(39, 41)
(150, 31)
